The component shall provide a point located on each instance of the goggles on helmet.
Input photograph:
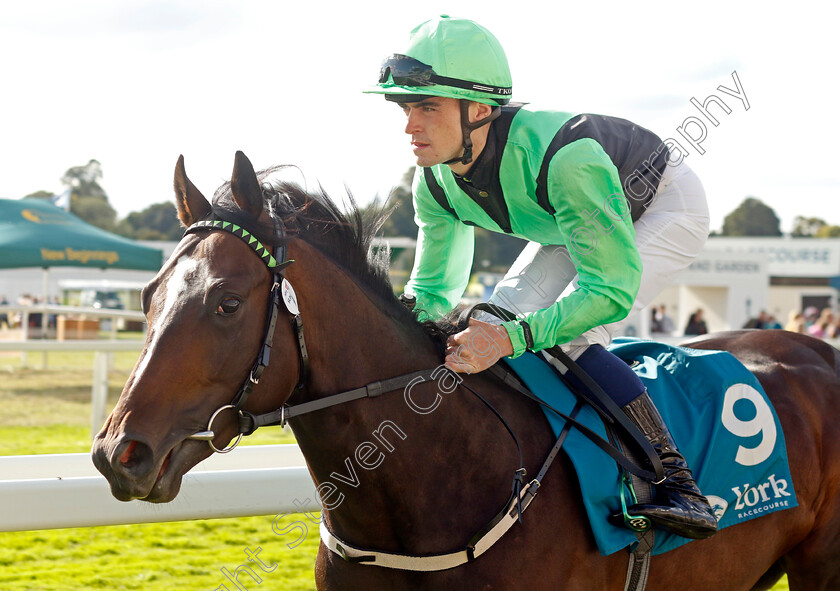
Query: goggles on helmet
(407, 71)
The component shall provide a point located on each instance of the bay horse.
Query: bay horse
(412, 482)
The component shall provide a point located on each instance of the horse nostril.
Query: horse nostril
(125, 458)
(134, 456)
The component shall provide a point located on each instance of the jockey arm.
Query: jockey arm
(594, 227)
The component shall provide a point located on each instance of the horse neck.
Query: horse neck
(351, 337)
(369, 453)
(351, 342)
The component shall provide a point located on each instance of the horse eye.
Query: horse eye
(228, 306)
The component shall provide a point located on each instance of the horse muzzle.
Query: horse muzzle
(136, 471)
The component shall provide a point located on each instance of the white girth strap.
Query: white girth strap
(434, 562)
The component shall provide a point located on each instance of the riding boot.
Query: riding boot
(679, 506)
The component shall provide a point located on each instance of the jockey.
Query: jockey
(611, 219)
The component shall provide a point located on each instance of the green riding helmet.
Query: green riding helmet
(448, 57)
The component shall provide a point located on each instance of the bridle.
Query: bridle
(281, 291)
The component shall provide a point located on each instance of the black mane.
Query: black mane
(345, 237)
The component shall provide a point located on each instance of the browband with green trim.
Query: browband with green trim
(248, 238)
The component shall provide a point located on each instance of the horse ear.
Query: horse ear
(191, 204)
(245, 187)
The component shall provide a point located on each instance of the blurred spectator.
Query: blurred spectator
(34, 317)
(759, 322)
(811, 314)
(660, 321)
(23, 300)
(696, 325)
(772, 323)
(52, 319)
(655, 325)
(824, 326)
(796, 322)
(4, 317)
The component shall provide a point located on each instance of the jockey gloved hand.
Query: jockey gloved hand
(478, 347)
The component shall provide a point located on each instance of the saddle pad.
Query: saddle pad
(717, 412)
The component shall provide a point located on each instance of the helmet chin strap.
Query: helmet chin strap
(467, 128)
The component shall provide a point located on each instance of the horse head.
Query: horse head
(206, 312)
(214, 315)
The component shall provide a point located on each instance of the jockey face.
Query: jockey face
(434, 125)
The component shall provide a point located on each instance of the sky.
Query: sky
(134, 84)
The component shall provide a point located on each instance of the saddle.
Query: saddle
(722, 419)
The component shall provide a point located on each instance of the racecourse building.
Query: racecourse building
(734, 279)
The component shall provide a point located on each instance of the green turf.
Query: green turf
(159, 556)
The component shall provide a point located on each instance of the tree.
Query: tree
(94, 211)
(493, 251)
(813, 228)
(400, 222)
(806, 227)
(828, 232)
(751, 218)
(84, 180)
(156, 222)
(88, 199)
(40, 195)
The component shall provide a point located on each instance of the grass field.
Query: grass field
(48, 411)
(156, 557)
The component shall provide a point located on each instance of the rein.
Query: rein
(281, 291)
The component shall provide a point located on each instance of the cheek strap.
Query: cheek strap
(467, 128)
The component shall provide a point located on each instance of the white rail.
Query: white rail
(65, 490)
(74, 310)
(101, 363)
(80, 345)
